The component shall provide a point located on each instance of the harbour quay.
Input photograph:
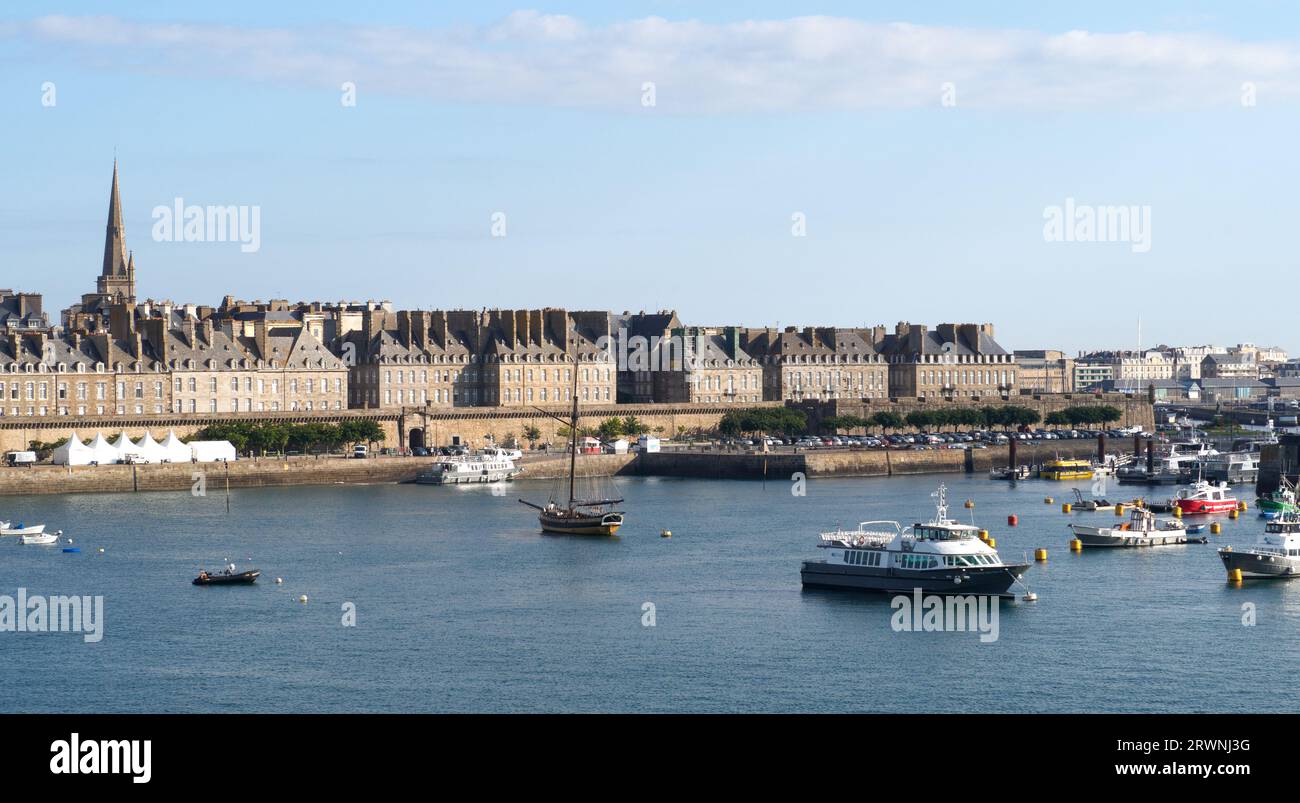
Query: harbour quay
(694, 461)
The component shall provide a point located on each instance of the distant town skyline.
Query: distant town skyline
(842, 190)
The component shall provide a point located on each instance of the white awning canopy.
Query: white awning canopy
(73, 453)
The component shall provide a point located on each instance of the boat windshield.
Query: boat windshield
(933, 532)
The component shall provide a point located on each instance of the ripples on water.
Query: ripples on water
(462, 605)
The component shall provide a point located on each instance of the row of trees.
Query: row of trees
(1005, 416)
(608, 430)
(1074, 416)
(265, 437)
(768, 420)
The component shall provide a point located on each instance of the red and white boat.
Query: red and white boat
(1204, 497)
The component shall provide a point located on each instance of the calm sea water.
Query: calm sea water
(462, 605)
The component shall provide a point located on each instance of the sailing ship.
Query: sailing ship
(577, 516)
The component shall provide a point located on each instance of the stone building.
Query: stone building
(818, 364)
(706, 366)
(466, 358)
(79, 375)
(172, 364)
(950, 361)
(1044, 371)
(1230, 366)
(1130, 369)
(644, 345)
(215, 370)
(22, 312)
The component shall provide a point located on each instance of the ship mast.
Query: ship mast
(573, 433)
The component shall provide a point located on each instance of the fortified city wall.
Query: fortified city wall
(479, 425)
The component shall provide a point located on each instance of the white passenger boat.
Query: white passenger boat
(1276, 554)
(1142, 529)
(476, 468)
(1010, 473)
(938, 557)
(40, 539)
(1232, 469)
(6, 529)
(1170, 467)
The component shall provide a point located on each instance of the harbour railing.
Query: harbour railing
(864, 535)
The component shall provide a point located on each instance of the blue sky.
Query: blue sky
(915, 210)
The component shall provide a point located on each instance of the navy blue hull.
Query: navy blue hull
(982, 580)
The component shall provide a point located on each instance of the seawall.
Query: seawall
(857, 462)
(716, 464)
(184, 476)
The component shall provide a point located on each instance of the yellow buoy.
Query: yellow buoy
(303, 598)
(1119, 509)
(1232, 514)
(970, 504)
(992, 542)
(665, 533)
(1040, 554)
(1076, 545)
(1047, 500)
(1234, 575)
(1178, 512)
(1066, 507)
(984, 535)
(1216, 528)
(1241, 506)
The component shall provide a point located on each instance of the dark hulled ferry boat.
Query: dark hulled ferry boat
(941, 556)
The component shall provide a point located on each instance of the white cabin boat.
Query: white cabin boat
(1171, 467)
(40, 539)
(940, 556)
(1142, 529)
(470, 469)
(1276, 554)
(6, 529)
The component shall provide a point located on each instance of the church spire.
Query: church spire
(116, 283)
(115, 236)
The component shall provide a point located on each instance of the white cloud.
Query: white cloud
(804, 63)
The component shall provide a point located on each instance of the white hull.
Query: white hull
(466, 479)
(34, 530)
(470, 471)
(39, 539)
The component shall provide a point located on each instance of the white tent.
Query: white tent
(211, 451)
(151, 450)
(177, 452)
(104, 453)
(125, 447)
(73, 453)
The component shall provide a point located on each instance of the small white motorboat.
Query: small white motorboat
(40, 539)
(6, 529)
